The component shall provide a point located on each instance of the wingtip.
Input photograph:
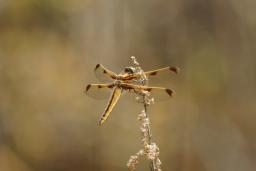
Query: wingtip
(87, 88)
(96, 67)
(170, 92)
(176, 70)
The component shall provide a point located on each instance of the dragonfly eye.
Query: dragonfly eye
(129, 70)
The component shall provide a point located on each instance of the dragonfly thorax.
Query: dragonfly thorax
(118, 82)
(129, 70)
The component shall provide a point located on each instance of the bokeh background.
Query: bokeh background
(48, 50)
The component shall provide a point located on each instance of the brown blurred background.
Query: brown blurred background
(48, 50)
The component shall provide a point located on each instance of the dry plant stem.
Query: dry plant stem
(150, 149)
(152, 162)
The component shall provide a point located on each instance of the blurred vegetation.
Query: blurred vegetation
(48, 50)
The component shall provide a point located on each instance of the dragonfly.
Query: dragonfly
(125, 82)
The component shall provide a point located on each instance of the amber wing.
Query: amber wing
(104, 74)
(99, 91)
(158, 93)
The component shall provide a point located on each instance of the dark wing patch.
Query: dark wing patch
(96, 67)
(87, 87)
(153, 73)
(169, 91)
(176, 70)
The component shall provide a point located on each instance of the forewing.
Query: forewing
(99, 91)
(161, 76)
(104, 74)
(166, 69)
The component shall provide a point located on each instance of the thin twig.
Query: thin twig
(152, 162)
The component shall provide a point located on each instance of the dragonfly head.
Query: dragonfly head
(129, 70)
